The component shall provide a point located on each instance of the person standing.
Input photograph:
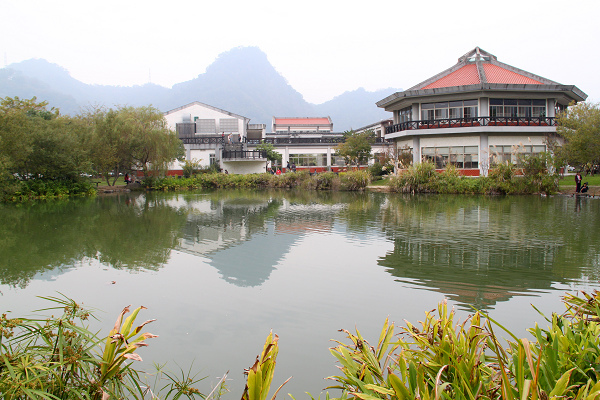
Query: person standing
(578, 182)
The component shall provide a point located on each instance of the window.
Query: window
(510, 154)
(513, 108)
(228, 125)
(309, 160)
(464, 157)
(212, 159)
(405, 115)
(453, 110)
(205, 125)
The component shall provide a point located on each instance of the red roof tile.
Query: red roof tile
(466, 75)
(497, 74)
(302, 121)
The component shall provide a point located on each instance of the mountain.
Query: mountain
(241, 81)
(356, 109)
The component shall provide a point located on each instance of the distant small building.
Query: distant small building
(301, 124)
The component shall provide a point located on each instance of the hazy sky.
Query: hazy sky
(323, 48)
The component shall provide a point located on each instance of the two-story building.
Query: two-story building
(211, 135)
(477, 113)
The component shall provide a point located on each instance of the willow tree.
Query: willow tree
(132, 138)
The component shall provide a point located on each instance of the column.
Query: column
(484, 154)
(416, 150)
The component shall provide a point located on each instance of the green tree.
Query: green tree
(579, 126)
(37, 143)
(356, 149)
(132, 138)
(269, 149)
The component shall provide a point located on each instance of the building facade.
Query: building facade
(477, 113)
(211, 135)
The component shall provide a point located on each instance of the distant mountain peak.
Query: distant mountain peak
(240, 80)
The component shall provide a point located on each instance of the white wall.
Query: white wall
(244, 167)
(202, 112)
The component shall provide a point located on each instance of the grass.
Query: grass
(569, 180)
(380, 182)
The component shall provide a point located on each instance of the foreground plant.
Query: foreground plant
(444, 359)
(260, 375)
(59, 358)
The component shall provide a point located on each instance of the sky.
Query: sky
(322, 47)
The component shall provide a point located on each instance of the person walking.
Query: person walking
(578, 182)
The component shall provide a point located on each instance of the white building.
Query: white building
(211, 135)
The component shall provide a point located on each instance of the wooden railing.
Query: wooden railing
(467, 122)
(244, 154)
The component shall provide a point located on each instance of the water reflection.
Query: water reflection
(476, 250)
(121, 231)
(481, 250)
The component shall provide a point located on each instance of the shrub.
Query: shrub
(326, 181)
(415, 179)
(354, 180)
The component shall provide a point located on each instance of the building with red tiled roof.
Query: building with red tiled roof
(476, 113)
(302, 124)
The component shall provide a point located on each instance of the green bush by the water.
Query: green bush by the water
(501, 179)
(352, 181)
(17, 190)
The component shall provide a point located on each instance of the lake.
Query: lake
(220, 269)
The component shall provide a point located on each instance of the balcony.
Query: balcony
(469, 122)
(244, 155)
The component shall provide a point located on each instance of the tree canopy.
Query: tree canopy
(132, 138)
(356, 149)
(269, 149)
(38, 144)
(579, 126)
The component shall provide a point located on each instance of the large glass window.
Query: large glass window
(464, 157)
(513, 108)
(449, 109)
(510, 154)
(405, 115)
(309, 160)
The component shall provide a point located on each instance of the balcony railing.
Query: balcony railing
(325, 140)
(468, 122)
(244, 155)
(203, 140)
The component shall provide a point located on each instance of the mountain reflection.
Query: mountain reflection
(245, 236)
(481, 251)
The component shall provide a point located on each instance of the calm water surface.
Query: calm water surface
(220, 269)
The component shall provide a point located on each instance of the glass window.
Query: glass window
(522, 108)
(445, 110)
(459, 156)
